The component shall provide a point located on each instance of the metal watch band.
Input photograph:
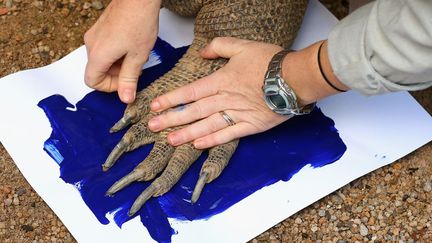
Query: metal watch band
(274, 73)
(275, 65)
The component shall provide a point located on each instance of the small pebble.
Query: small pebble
(342, 241)
(27, 228)
(388, 177)
(427, 186)
(8, 3)
(45, 30)
(97, 5)
(344, 217)
(4, 38)
(396, 231)
(44, 55)
(65, 12)
(38, 4)
(410, 200)
(21, 191)
(321, 213)
(87, 5)
(363, 230)
(16, 201)
(2, 225)
(298, 221)
(336, 199)
(3, 11)
(8, 202)
(84, 13)
(314, 228)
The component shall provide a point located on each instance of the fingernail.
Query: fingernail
(128, 95)
(174, 139)
(155, 105)
(199, 143)
(154, 124)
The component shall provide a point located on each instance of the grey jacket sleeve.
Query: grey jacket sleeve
(384, 46)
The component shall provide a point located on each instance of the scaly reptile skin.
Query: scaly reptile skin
(271, 21)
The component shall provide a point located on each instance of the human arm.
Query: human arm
(384, 46)
(118, 45)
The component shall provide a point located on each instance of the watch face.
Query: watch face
(278, 101)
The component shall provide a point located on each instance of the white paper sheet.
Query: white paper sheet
(376, 130)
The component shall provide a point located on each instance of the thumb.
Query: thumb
(225, 47)
(128, 78)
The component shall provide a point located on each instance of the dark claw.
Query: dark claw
(144, 197)
(123, 182)
(115, 154)
(124, 122)
(213, 166)
(199, 187)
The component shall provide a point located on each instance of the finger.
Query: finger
(111, 79)
(225, 47)
(189, 113)
(98, 64)
(224, 136)
(95, 72)
(87, 46)
(114, 69)
(88, 41)
(198, 129)
(201, 88)
(128, 77)
(108, 84)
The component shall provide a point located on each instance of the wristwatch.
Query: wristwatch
(278, 95)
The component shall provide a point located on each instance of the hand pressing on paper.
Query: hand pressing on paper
(235, 91)
(118, 45)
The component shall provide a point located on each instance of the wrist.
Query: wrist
(157, 2)
(301, 71)
(154, 4)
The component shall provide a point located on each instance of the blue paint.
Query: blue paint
(80, 143)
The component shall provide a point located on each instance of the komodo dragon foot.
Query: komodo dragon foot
(271, 21)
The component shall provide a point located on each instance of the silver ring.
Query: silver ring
(227, 118)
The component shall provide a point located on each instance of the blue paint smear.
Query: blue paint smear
(80, 143)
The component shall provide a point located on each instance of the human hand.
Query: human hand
(235, 89)
(118, 45)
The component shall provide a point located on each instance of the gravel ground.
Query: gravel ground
(393, 203)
